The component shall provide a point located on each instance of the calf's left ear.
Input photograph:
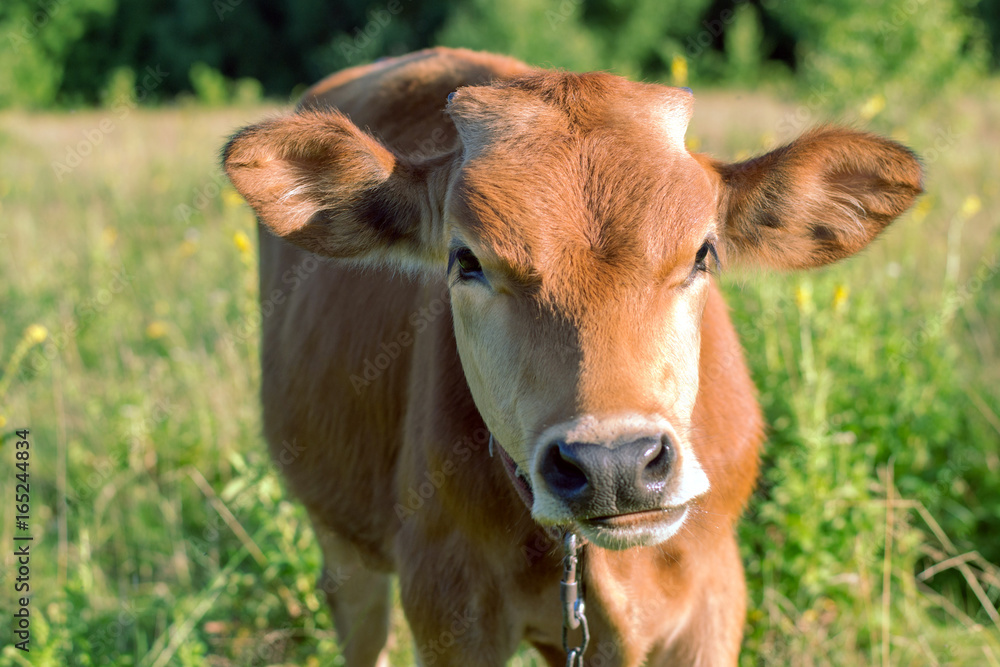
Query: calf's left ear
(318, 181)
(821, 198)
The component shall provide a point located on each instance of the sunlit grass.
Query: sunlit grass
(164, 537)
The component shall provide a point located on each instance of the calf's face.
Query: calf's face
(578, 237)
(581, 244)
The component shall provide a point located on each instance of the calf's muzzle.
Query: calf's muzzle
(597, 480)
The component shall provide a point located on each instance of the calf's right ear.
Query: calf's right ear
(318, 181)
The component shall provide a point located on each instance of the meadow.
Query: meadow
(163, 534)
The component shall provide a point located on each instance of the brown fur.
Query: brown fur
(577, 196)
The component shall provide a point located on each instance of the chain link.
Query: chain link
(574, 611)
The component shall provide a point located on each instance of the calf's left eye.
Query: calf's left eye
(469, 267)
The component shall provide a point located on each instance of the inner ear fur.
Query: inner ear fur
(820, 198)
(315, 179)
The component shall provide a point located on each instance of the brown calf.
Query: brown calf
(532, 258)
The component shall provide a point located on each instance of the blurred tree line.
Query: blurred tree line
(64, 53)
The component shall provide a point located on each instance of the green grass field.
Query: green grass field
(163, 536)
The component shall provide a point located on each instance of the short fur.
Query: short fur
(576, 194)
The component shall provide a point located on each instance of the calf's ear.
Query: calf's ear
(318, 181)
(821, 198)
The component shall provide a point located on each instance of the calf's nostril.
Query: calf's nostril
(659, 458)
(561, 472)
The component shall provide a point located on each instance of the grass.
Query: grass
(163, 535)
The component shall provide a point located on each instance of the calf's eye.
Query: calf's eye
(701, 258)
(469, 267)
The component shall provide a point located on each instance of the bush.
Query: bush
(897, 48)
(65, 53)
(37, 40)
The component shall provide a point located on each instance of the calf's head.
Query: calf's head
(578, 237)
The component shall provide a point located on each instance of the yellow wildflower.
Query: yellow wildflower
(188, 247)
(923, 207)
(231, 198)
(109, 235)
(36, 333)
(872, 106)
(971, 206)
(679, 70)
(840, 297)
(160, 183)
(33, 335)
(3, 421)
(803, 298)
(693, 143)
(242, 242)
(156, 329)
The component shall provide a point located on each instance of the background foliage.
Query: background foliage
(71, 52)
(128, 341)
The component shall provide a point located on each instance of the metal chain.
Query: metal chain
(573, 609)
